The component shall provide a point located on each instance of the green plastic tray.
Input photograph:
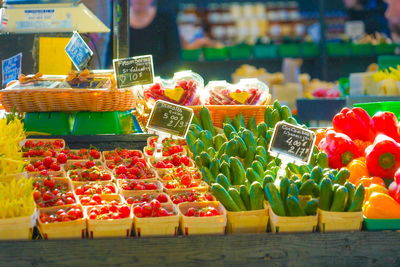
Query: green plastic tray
(335, 49)
(53, 123)
(385, 62)
(310, 50)
(240, 51)
(93, 123)
(211, 53)
(385, 49)
(381, 224)
(289, 50)
(374, 107)
(191, 55)
(265, 51)
(361, 49)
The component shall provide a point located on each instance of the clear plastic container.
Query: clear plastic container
(182, 89)
(245, 92)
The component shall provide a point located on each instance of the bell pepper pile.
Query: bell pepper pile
(370, 149)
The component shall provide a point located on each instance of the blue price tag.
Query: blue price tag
(11, 68)
(78, 51)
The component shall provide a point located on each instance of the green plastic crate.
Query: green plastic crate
(361, 49)
(381, 224)
(385, 62)
(93, 123)
(240, 52)
(289, 50)
(310, 50)
(53, 123)
(211, 53)
(265, 51)
(338, 49)
(191, 55)
(374, 107)
(385, 49)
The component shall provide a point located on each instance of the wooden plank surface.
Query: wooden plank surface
(331, 249)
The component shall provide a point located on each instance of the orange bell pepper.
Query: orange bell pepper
(319, 135)
(374, 188)
(381, 206)
(368, 181)
(358, 169)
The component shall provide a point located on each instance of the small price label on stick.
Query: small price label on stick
(170, 119)
(133, 71)
(78, 51)
(292, 142)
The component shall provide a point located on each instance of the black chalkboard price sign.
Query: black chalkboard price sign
(170, 119)
(292, 142)
(133, 71)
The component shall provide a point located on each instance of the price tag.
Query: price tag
(291, 142)
(354, 29)
(11, 68)
(133, 71)
(170, 119)
(78, 51)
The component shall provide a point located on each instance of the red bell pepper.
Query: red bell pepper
(340, 149)
(383, 157)
(386, 123)
(355, 123)
(394, 187)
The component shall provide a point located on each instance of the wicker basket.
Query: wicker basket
(68, 99)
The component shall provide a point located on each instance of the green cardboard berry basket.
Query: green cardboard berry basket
(338, 49)
(289, 50)
(374, 107)
(385, 49)
(361, 49)
(241, 51)
(265, 51)
(212, 53)
(382, 224)
(191, 54)
(310, 50)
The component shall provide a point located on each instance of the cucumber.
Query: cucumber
(284, 189)
(342, 176)
(257, 166)
(205, 159)
(198, 147)
(305, 177)
(248, 138)
(267, 116)
(335, 187)
(195, 129)
(214, 167)
(225, 158)
(228, 129)
(234, 193)
(232, 148)
(269, 135)
(294, 177)
(252, 175)
(196, 120)
(261, 152)
(274, 199)
(237, 124)
(218, 140)
(261, 141)
(311, 207)
(307, 188)
(278, 161)
(206, 138)
(206, 122)
(223, 196)
(222, 180)
(304, 169)
(233, 135)
(252, 125)
(227, 120)
(358, 199)
(317, 175)
(339, 199)
(293, 206)
(293, 168)
(275, 117)
(315, 191)
(221, 150)
(241, 147)
(237, 172)
(249, 157)
(240, 117)
(211, 152)
(268, 179)
(325, 194)
(245, 196)
(208, 177)
(298, 183)
(351, 192)
(285, 113)
(292, 121)
(293, 190)
(262, 160)
(277, 105)
(256, 196)
(224, 168)
(262, 129)
(322, 160)
(191, 139)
